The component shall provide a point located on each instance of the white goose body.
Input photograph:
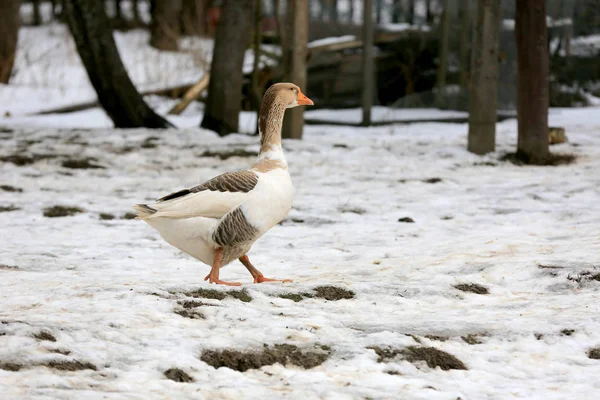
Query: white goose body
(219, 221)
(193, 225)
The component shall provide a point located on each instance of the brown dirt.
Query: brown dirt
(64, 352)
(542, 266)
(13, 367)
(128, 215)
(73, 365)
(437, 337)
(432, 180)
(106, 216)
(192, 314)
(472, 287)
(20, 159)
(177, 375)
(44, 335)
(5, 266)
(61, 211)
(471, 339)
(552, 160)
(187, 304)
(407, 220)
(432, 356)
(8, 208)
(567, 332)
(333, 293)
(285, 354)
(594, 353)
(296, 297)
(8, 188)
(81, 163)
(324, 292)
(225, 154)
(220, 295)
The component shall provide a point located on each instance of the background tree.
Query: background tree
(443, 56)
(165, 26)
(532, 81)
(368, 81)
(295, 70)
(225, 89)
(96, 46)
(483, 90)
(193, 17)
(465, 41)
(9, 32)
(37, 16)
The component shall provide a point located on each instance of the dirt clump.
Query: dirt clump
(81, 163)
(8, 188)
(44, 335)
(177, 375)
(432, 356)
(8, 208)
(471, 339)
(61, 211)
(333, 293)
(71, 365)
(594, 353)
(192, 314)
(9, 366)
(284, 354)
(220, 295)
(106, 216)
(472, 287)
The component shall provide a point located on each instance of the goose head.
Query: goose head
(288, 94)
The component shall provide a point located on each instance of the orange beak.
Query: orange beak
(303, 100)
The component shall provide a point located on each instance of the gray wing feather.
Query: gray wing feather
(234, 229)
(240, 181)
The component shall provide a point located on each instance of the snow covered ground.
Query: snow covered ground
(93, 307)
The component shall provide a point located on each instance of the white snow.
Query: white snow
(403, 26)
(331, 40)
(102, 287)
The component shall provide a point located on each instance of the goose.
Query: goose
(218, 221)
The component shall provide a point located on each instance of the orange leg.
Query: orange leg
(256, 274)
(213, 277)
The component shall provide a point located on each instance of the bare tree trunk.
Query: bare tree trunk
(9, 33)
(428, 13)
(367, 94)
(483, 93)
(165, 26)
(225, 89)
(351, 12)
(37, 18)
(532, 80)
(136, 11)
(96, 46)
(334, 10)
(397, 11)
(193, 17)
(118, 13)
(465, 35)
(411, 11)
(256, 92)
(297, 12)
(379, 10)
(443, 57)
